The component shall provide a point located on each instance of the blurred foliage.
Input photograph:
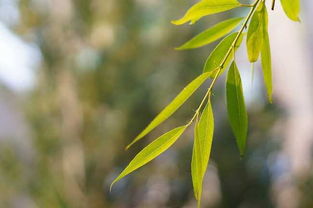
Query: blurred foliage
(107, 68)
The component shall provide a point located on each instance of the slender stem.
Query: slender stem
(222, 65)
(255, 4)
(246, 5)
(273, 4)
(199, 108)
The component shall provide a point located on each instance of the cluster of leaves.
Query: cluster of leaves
(258, 47)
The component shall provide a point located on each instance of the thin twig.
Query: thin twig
(234, 43)
(220, 68)
(273, 4)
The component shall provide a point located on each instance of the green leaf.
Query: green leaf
(212, 34)
(255, 37)
(217, 56)
(267, 67)
(237, 113)
(292, 9)
(178, 101)
(266, 57)
(201, 149)
(153, 150)
(206, 7)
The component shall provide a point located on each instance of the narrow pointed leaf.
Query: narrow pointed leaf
(218, 54)
(267, 67)
(292, 9)
(178, 101)
(255, 37)
(266, 57)
(153, 150)
(212, 34)
(206, 7)
(236, 108)
(203, 138)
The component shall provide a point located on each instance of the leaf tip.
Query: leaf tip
(242, 148)
(112, 184)
(119, 177)
(176, 22)
(270, 96)
(295, 19)
(242, 152)
(182, 48)
(182, 21)
(134, 141)
(270, 100)
(128, 146)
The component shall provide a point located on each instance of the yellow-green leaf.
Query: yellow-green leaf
(255, 37)
(217, 56)
(212, 34)
(203, 138)
(292, 9)
(153, 150)
(267, 67)
(178, 101)
(206, 7)
(236, 108)
(266, 57)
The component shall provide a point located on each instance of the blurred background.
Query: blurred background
(80, 78)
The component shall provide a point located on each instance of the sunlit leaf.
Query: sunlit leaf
(153, 150)
(178, 101)
(206, 7)
(266, 57)
(218, 55)
(267, 67)
(212, 34)
(255, 36)
(203, 138)
(237, 113)
(291, 8)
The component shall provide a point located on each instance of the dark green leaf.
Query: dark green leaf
(237, 113)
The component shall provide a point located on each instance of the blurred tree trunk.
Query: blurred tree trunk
(68, 103)
(71, 122)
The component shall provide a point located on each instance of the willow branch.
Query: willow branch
(222, 65)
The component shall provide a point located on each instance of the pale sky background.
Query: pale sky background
(18, 59)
